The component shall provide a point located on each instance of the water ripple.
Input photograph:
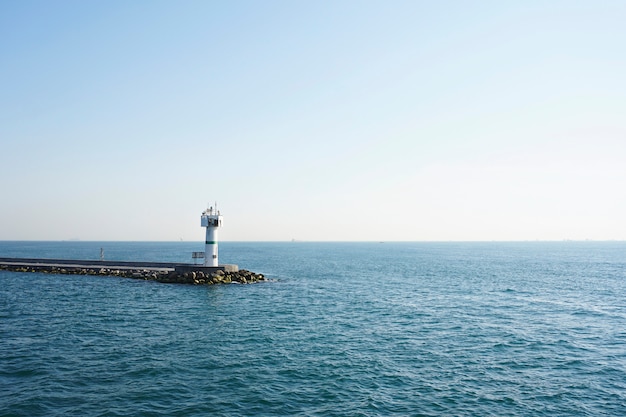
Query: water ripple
(344, 329)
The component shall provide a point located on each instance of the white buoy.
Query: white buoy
(211, 219)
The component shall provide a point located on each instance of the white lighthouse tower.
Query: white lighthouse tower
(211, 219)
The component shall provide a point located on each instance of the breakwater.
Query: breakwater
(153, 271)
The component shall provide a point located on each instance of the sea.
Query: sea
(338, 329)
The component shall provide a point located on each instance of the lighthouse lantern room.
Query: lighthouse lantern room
(211, 219)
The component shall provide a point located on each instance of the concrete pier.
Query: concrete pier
(43, 262)
(157, 271)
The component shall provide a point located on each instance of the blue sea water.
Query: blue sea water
(341, 329)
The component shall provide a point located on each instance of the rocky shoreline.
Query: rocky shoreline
(191, 277)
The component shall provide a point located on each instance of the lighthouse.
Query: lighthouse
(211, 219)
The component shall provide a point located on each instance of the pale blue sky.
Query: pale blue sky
(313, 120)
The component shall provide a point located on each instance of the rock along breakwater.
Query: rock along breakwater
(161, 272)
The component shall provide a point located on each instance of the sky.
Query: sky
(349, 120)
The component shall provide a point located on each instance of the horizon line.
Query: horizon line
(318, 241)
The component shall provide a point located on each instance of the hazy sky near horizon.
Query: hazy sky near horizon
(313, 120)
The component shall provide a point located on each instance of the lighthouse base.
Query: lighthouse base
(181, 269)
